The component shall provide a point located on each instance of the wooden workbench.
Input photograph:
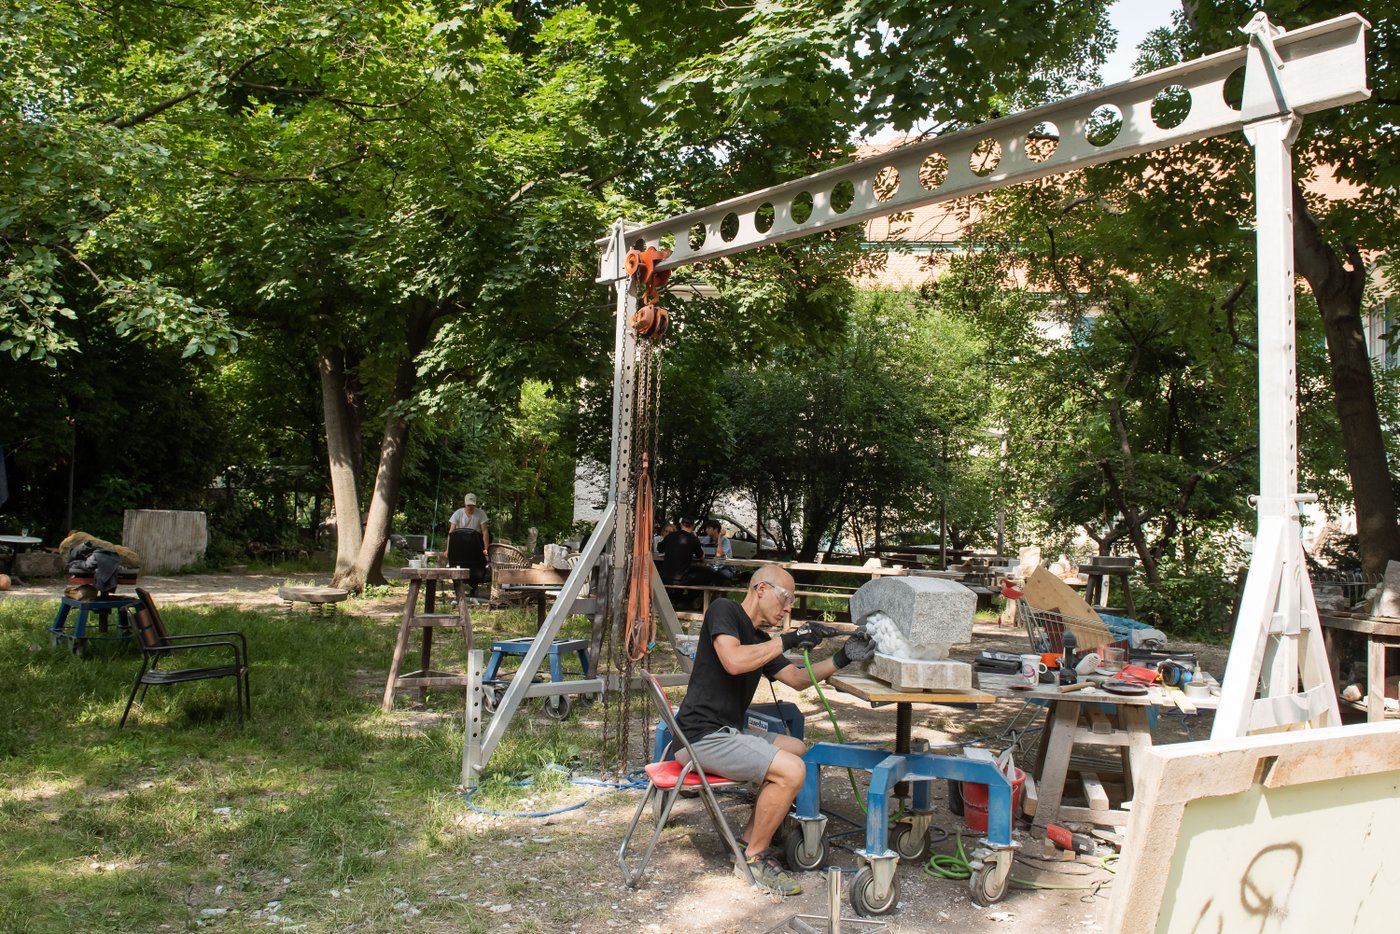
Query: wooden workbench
(1382, 633)
(1075, 718)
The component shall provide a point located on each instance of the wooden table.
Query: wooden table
(814, 567)
(1074, 719)
(1382, 633)
(425, 677)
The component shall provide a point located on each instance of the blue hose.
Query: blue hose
(632, 784)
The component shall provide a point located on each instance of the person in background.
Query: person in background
(733, 654)
(660, 537)
(678, 550)
(718, 549)
(469, 540)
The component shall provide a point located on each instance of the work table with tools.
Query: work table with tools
(1080, 714)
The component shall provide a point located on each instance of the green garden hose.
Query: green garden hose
(855, 789)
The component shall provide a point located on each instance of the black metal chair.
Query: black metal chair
(157, 644)
(666, 779)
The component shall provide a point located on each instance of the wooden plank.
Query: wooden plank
(1030, 796)
(1094, 791)
(1098, 721)
(1182, 702)
(1375, 680)
(1113, 817)
(878, 692)
(1059, 735)
(1045, 591)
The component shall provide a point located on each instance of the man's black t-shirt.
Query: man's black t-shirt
(715, 698)
(677, 551)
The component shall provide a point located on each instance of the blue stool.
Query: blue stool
(557, 706)
(103, 606)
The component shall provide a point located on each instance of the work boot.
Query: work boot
(768, 873)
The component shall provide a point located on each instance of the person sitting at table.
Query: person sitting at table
(718, 549)
(733, 652)
(469, 540)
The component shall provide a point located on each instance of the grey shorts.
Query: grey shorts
(744, 757)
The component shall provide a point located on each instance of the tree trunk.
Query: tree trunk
(340, 430)
(368, 566)
(1338, 291)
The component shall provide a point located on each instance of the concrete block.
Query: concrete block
(905, 674)
(38, 564)
(928, 611)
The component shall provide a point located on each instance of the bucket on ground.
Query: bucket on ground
(974, 801)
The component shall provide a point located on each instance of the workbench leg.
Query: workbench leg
(426, 656)
(1375, 680)
(401, 644)
(1059, 738)
(464, 615)
(1134, 722)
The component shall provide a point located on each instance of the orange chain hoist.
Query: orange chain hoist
(650, 320)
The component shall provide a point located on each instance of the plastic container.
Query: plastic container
(974, 801)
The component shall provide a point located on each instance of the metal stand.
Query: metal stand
(874, 890)
(831, 922)
(1278, 638)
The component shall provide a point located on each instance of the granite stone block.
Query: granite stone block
(928, 611)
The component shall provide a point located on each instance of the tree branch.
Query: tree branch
(73, 257)
(1229, 308)
(155, 110)
(312, 176)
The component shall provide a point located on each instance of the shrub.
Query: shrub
(1191, 604)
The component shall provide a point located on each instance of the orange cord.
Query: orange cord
(641, 620)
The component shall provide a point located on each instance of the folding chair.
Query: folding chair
(157, 644)
(666, 779)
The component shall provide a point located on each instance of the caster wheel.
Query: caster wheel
(984, 891)
(862, 896)
(54, 640)
(558, 707)
(489, 699)
(911, 847)
(798, 856)
(79, 648)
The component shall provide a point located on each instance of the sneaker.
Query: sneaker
(768, 873)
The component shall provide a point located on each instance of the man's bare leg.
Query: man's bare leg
(784, 744)
(780, 788)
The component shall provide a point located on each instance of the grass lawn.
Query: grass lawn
(322, 812)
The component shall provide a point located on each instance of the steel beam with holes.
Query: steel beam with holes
(1323, 67)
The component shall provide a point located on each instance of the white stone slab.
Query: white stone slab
(905, 674)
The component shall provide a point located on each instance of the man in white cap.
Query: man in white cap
(469, 540)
